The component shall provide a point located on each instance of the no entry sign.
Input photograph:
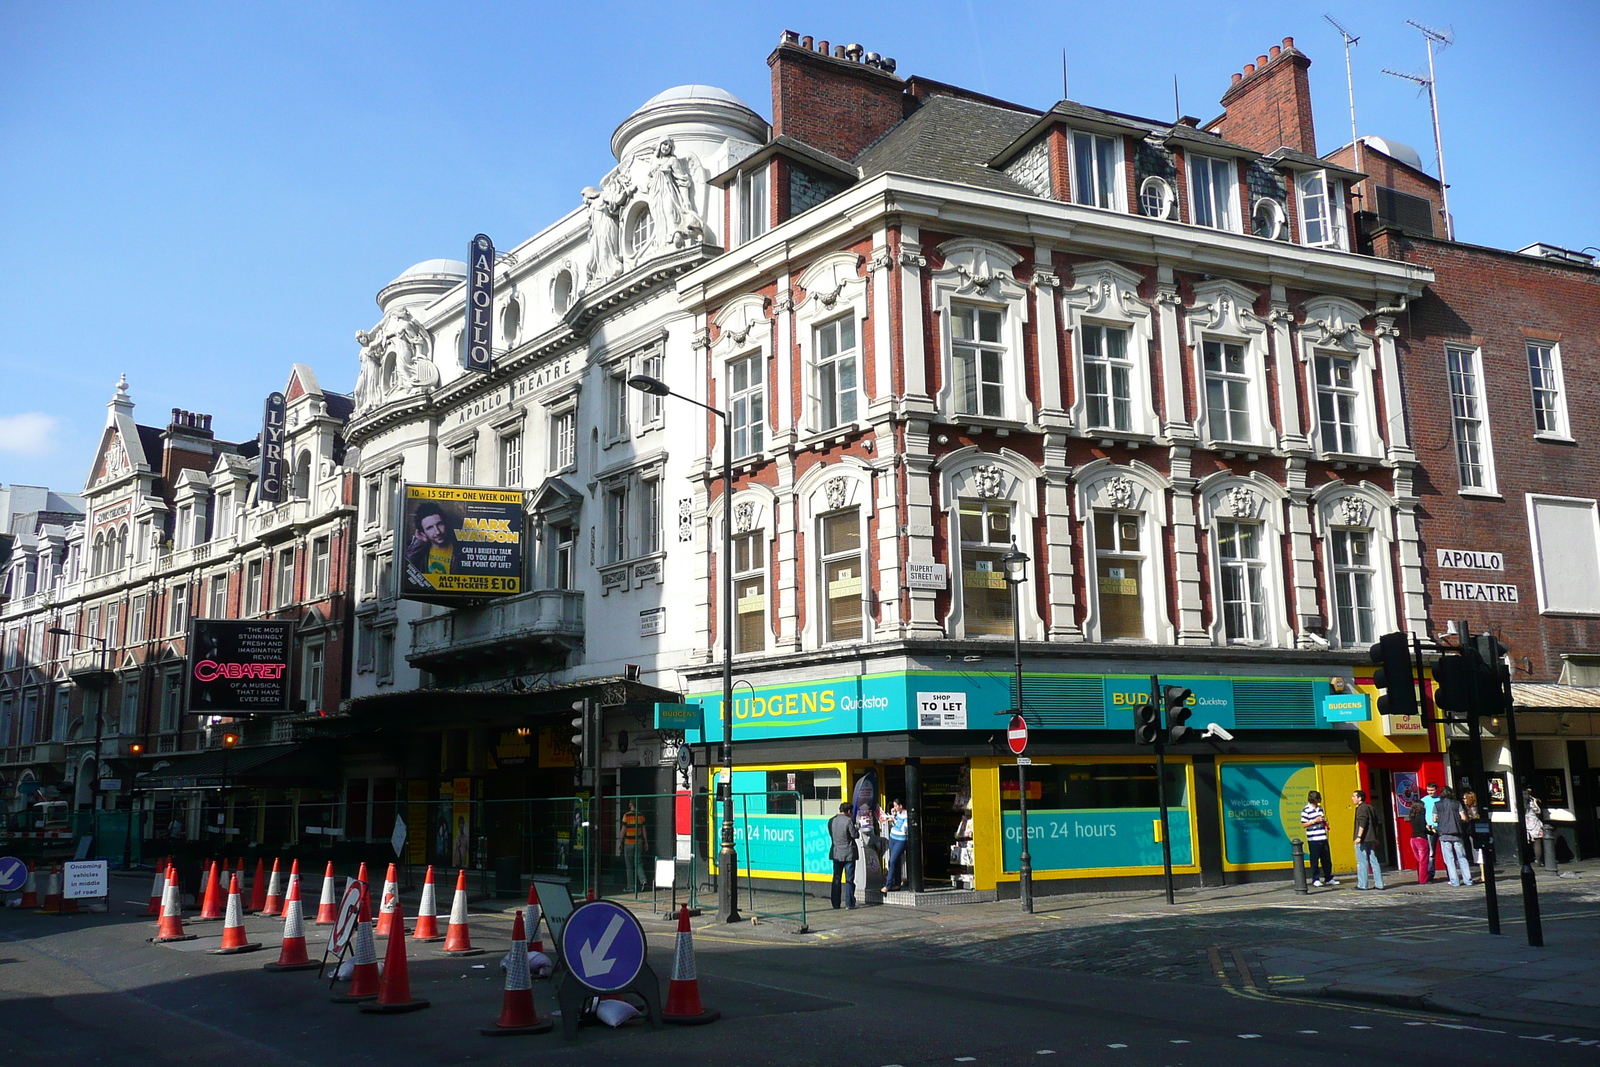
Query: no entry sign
(1017, 734)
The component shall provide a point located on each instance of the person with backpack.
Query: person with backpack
(1314, 820)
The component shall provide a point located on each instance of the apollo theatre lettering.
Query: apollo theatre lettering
(479, 354)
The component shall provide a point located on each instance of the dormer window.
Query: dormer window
(753, 209)
(1212, 184)
(1321, 214)
(1096, 166)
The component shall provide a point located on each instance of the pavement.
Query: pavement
(1251, 975)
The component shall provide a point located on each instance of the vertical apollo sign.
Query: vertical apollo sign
(269, 488)
(479, 354)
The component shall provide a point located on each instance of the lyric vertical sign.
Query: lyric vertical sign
(270, 487)
(479, 354)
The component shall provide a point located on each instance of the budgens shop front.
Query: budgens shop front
(929, 731)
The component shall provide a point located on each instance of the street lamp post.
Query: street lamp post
(727, 857)
(1015, 563)
(229, 739)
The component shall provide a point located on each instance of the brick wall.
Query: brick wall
(1496, 301)
(837, 105)
(1269, 103)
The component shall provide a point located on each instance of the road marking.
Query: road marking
(1047, 1052)
(1305, 1031)
(1178, 1041)
(1361, 1028)
(1116, 1044)
(965, 1059)
(1249, 1037)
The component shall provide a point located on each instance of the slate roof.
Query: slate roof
(949, 139)
(1296, 158)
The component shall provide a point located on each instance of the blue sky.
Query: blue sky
(199, 195)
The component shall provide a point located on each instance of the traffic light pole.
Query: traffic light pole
(1480, 786)
(1161, 782)
(1530, 883)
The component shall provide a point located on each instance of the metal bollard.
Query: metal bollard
(1297, 852)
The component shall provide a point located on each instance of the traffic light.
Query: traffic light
(580, 732)
(1176, 699)
(1392, 654)
(1146, 724)
(1455, 685)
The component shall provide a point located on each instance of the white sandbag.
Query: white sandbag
(540, 965)
(615, 1012)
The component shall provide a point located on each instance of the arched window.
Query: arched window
(97, 558)
(511, 321)
(302, 476)
(1357, 547)
(561, 292)
(1244, 516)
(1124, 509)
(993, 502)
(640, 232)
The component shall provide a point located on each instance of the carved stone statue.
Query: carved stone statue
(396, 359)
(605, 225)
(675, 187)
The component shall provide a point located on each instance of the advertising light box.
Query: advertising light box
(240, 665)
(457, 543)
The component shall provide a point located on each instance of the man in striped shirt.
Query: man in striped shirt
(1315, 823)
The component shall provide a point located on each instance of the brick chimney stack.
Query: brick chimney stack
(839, 102)
(1268, 106)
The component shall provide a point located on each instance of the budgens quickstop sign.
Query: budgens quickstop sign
(239, 665)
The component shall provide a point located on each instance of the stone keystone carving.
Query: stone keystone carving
(1242, 502)
(1353, 511)
(1119, 493)
(744, 516)
(989, 481)
(835, 490)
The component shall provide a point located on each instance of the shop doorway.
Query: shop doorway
(1388, 825)
(943, 803)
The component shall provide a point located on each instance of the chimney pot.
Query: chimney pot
(1237, 77)
(1274, 51)
(1288, 42)
(838, 51)
(805, 42)
(1261, 61)
(1249, 69)
(822, 46)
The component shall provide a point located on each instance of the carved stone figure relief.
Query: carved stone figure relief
(1241, 502)
(396, 360)
(670, 185)
(744, 516)
(605, 226)
(1119, 493)
(989, 482)
(1353, 511)
(835, 490)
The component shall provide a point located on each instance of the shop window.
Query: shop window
(842, 572)
(820, 792)
(1094, 787)
(986, 533)
(1119, 574)
(750, 592)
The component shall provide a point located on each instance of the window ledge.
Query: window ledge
(984, 422)
(1244, 448)
(1554, 438)
(1351, 459)
(1131, 438)
(1480, 494)
(819, 439)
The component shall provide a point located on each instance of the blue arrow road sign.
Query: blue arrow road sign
(603, 945)
(13, 874)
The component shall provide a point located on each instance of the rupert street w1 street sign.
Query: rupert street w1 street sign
(1017, 734)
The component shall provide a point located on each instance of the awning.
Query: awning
(1554, 697)
(295, 764)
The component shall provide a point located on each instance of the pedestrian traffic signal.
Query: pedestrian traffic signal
(1176, 699)
(1392, 654)
(1146, 724)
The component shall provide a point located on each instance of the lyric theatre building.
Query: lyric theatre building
(942, 326)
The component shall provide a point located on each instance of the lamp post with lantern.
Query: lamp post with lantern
(1015, 563)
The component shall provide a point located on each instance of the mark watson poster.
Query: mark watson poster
(456, 542)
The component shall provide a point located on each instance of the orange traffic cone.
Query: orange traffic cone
(211, 903)
(327, 910)
(30, 888)
(517, 1014)
(364, 978)
(272, 899)
(205, 882)
(387, 904)
(361, 875)
(258, 888)
(427, 928)
(52, 892)
(394, 987)
(457, 938)
(170, 928)
(292, 956)
(234, 940)
(683, 995)
(535, 913)
(158, 889)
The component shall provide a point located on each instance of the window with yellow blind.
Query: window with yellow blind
(750, 592)
(1119, 574)
(986, 533)
(842, 573)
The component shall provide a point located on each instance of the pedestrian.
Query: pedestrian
(1430, 802)
(1469, 806)
(1450, 821)
(1533, 825)
(634, 844)
(1366, 822)
(842, 833)
(898, 817)
(1421, 848)
(1314, 820)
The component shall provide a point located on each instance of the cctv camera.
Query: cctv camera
(1213, 730)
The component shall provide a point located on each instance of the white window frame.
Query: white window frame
(313, 675)
(835, 405)
(510, 448)
(747, 406)
(824, 558)
(1537, 546)
(1093, 186)
(255, 581)
(652, 505)
(1557, 409)
(217, 608)
(1332, 327)
(753, 211)
(980, 366)
(563, 434)
(321, 570)
(618, 513)
(1223, 312)
(178, 608)
(1257, 499)
(1228, 222)
(834, 288)
(653, 408)
(1126, 488)
(618, 424)
(1470, 358)
(1005, 477)
(745, 577)
(981, 275)
(823, 490)
(1116, 371)
(1331, 216)
(1106, 294)
(464, 465)
(283, 577)
(962, 548)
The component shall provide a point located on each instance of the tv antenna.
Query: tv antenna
(1444, 39)
(1350, 40)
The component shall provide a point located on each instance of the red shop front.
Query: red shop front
(1393, 781)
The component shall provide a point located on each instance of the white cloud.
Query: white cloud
(30, 433)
